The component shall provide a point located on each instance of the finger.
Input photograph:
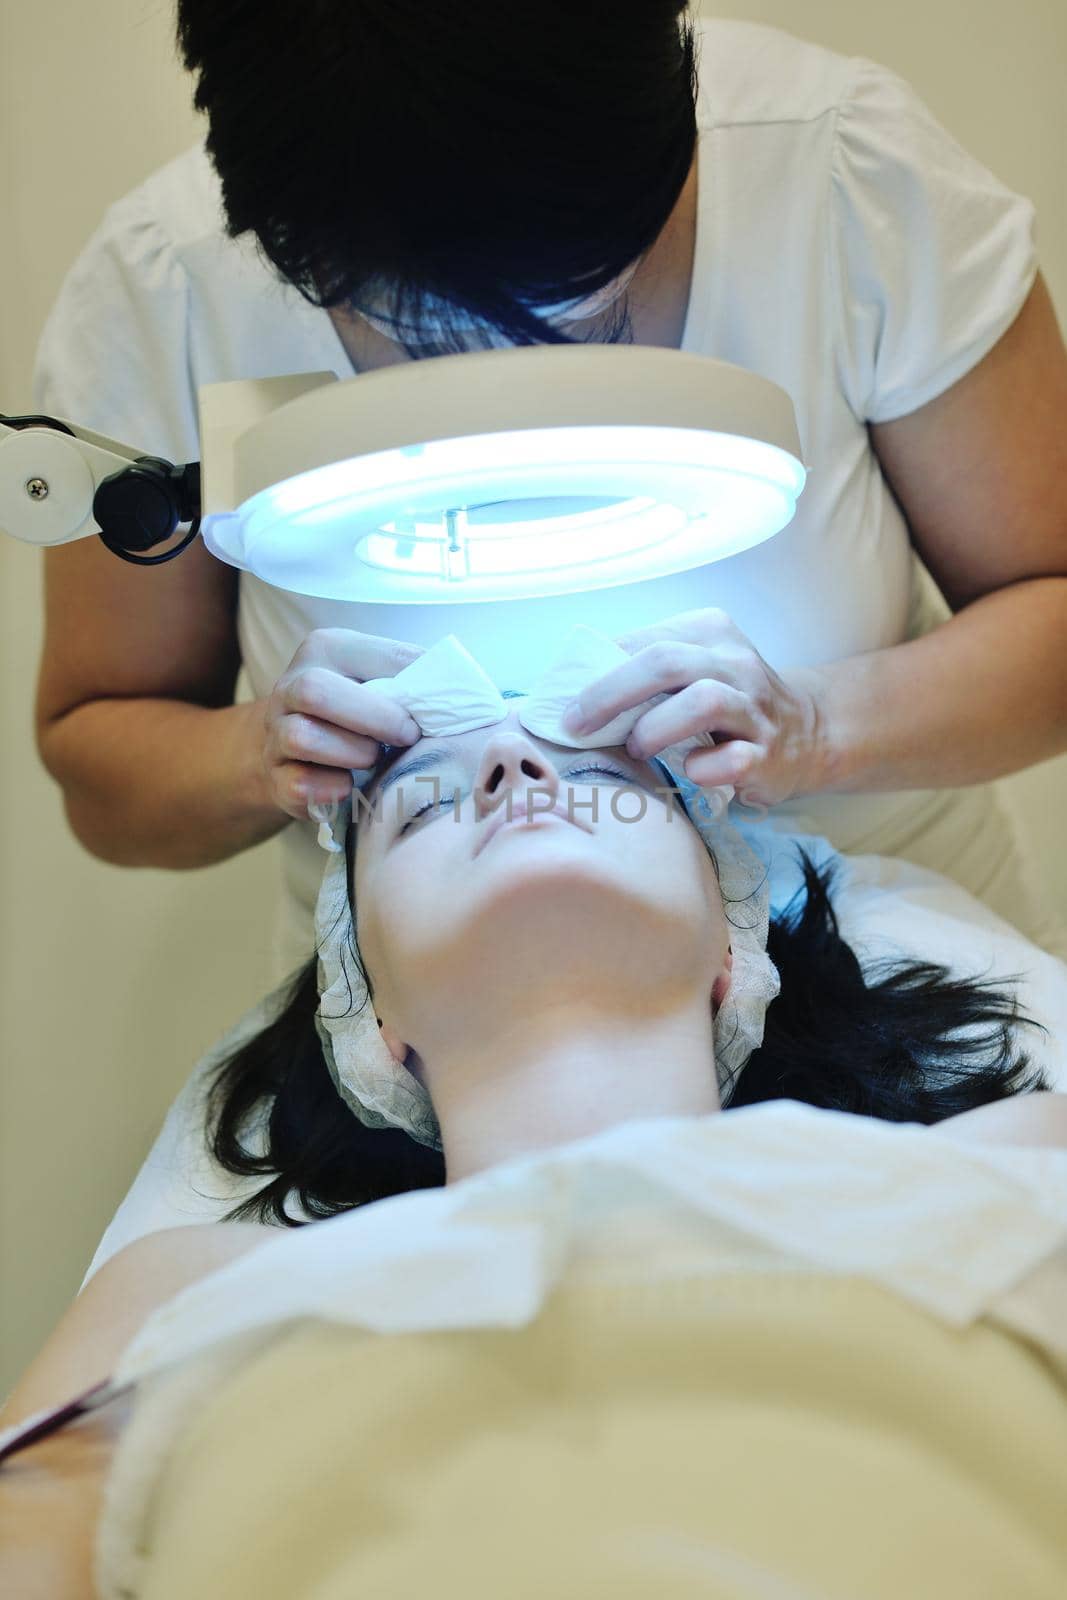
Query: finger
(732, 763)
(300, 738)
(706, 706)
(659, 668)
(705, 626)
(298, 785)
(329, 698)
(359, 655)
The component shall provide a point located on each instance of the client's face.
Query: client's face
(461, 914)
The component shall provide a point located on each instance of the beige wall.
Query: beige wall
(112, 982)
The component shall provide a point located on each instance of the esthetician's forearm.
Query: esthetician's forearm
(163, 783)
(982, 695)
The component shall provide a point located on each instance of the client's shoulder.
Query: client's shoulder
(1039, 1118)
(158, 1265)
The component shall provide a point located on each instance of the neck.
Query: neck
(565, 1074)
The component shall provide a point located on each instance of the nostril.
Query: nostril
(494, 778)
(530, 767)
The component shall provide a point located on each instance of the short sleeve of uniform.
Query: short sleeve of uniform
(114, 354)
(931, 256)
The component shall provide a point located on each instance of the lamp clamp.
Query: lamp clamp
(59, 482)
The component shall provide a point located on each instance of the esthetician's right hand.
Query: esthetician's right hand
(321, 721)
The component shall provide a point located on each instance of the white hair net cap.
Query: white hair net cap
(446, 692)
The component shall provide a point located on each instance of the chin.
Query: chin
(566, 890)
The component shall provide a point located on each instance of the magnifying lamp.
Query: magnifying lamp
(502, 474)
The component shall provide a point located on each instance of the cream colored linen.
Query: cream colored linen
(757, 1435)
(970, 1237)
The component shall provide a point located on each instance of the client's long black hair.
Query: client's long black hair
(903, 1041)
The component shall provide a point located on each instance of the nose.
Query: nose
(510, 760)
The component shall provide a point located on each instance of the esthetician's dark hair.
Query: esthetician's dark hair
(903, 1041)
(495, 156)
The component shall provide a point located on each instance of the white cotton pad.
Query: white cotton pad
(583, 657)
(445, 690)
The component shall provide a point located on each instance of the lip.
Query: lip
(518, 816)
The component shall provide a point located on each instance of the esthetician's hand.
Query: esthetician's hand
(321, 721)
(765, 731)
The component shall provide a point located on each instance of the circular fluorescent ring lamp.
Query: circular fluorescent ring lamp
(511, 474)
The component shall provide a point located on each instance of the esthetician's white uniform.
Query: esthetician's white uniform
(846, 248)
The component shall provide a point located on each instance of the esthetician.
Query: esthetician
(385, 182)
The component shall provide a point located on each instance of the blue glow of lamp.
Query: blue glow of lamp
(507, 474)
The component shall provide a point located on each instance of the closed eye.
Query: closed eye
(612, 772)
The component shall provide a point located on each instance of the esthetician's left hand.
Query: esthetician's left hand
(766, 732)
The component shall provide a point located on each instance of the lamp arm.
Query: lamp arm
(60, 482)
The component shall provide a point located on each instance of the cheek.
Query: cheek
(677, 863)
(658, 837)
(376, 940)
(399, 903)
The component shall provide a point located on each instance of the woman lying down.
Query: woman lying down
(564, 1328)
